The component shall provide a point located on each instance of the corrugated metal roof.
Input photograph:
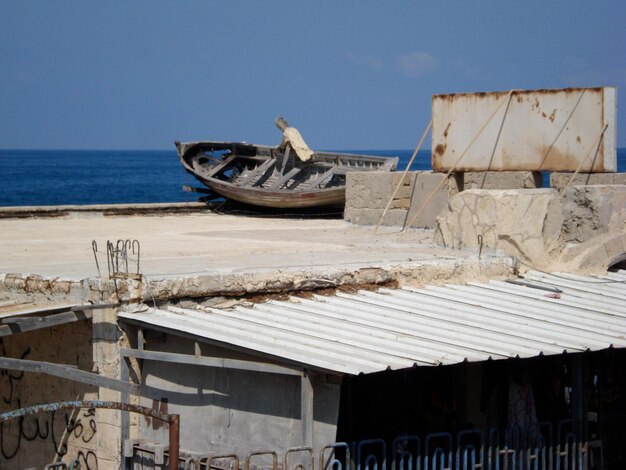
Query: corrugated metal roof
(400, 328)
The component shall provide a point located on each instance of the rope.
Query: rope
(595, 145)
(545, 157)
(495, 145)
(453, 167)
(417, 149)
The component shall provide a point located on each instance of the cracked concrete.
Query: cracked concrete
(581, 229)
(204, 255)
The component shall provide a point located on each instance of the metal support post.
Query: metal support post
(306, 409)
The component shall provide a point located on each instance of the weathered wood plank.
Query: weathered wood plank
(15, 325)
(69, 372)
(209, 361)
(321, 179)
(285, 160)
(215, 170)
(249, 178)
(283, 179)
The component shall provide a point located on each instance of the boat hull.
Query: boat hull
(268, 177)
(279, 199)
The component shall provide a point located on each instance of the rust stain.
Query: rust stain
(440, 149)
(553, 115)
(544, 115)
(543, 91)
(578, 139)
(558, 160)
(445, 133)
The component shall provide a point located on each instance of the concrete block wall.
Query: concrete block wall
(368, 193)
(561, 180)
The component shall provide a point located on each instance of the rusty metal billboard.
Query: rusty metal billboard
(554, 130)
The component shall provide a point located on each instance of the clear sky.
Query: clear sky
(349, 74)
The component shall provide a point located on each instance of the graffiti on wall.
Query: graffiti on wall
(61, 430)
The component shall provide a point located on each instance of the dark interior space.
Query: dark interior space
(537, 394)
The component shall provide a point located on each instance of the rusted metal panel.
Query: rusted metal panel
(557, 130)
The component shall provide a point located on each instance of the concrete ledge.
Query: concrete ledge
(433, 270)
(560, 180)
(104, 209)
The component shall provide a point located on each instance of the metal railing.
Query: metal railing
(535, 448)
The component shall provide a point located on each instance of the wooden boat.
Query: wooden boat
(272, 177)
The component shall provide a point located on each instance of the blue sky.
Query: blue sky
(350, 75)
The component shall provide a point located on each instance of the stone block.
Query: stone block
(523, 223)
(368, 190)
(561, 180)
(589, 211)
(429, 198)
(495, 180)
(373, 190)
(403, 203)
(407, 180)
(368, 193)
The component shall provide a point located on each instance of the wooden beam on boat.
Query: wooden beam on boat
(215, 170)
(285, 159)
(283, 179)
(250, 177)
(321, 179)
(257, 174)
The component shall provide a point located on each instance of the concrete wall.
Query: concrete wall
(367, 194)
(224, 411)
(46, 438)
(561, 180)
(523, 223)
(589, 211)
(582, 228)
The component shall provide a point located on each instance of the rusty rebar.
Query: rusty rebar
(174, 423)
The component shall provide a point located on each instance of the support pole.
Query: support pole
(306, 409)
(578, 396)
(125, 421)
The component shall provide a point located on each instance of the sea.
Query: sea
(67, 177)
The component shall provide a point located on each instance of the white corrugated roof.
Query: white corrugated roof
(400, 328)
